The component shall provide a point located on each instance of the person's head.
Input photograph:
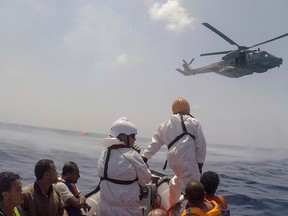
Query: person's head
(157, 212)
(70, 172)
(11, 188)
(180, 105)
(194, 191)
(45, 169)
(210, 181)
(124, 131)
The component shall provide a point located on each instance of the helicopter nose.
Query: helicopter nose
(280, 60)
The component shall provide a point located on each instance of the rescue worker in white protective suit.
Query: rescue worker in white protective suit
(121, 169)
(186, 144)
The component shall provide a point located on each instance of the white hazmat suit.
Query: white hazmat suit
(124, 164)
(183, 157)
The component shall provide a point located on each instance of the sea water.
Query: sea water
(253, 180)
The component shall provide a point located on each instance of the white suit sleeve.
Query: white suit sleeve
(200, 143)
(143, 173)
(154, 146)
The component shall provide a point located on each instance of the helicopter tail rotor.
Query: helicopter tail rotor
(187, 70)
(185, 62)
(191, 61)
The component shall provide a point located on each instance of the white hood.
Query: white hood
(109, 141)
(176, 118)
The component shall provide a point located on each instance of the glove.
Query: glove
(145, 159)
(200, 165)
(136, 147)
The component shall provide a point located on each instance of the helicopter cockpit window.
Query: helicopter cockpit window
(250, 56)
(265, 54)
(255, 55)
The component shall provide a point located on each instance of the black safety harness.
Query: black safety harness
(179, 136)
(105, 177)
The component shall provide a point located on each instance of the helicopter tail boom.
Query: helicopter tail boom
(185, 73)
(214, 67)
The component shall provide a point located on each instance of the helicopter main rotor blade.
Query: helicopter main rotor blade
(276, 38)
(216, 53)
(220, 34)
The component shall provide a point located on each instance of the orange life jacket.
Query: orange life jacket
(215, 211)
(219, 200)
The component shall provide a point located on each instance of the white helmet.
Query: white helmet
(122, 125)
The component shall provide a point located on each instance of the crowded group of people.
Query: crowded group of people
(49, 195)
(122, 168)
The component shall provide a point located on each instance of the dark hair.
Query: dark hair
(194, 191)
(210, 181)
(69, 167)
(41, 167)
(6, 180)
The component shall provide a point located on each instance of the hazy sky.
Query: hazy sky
(82, 64)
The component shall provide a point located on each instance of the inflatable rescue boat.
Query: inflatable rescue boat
(154, 195)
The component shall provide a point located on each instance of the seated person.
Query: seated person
(72, 197)
(11, 194)
(210, 180)
(42, 197)
(197, 205)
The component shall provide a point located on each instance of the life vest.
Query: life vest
(72, 211)
(222, 204)
(115, 181)
(15, 211)
(179, 136)
(219, 200)
(215, 211)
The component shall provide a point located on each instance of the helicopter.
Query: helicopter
(236, 63)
